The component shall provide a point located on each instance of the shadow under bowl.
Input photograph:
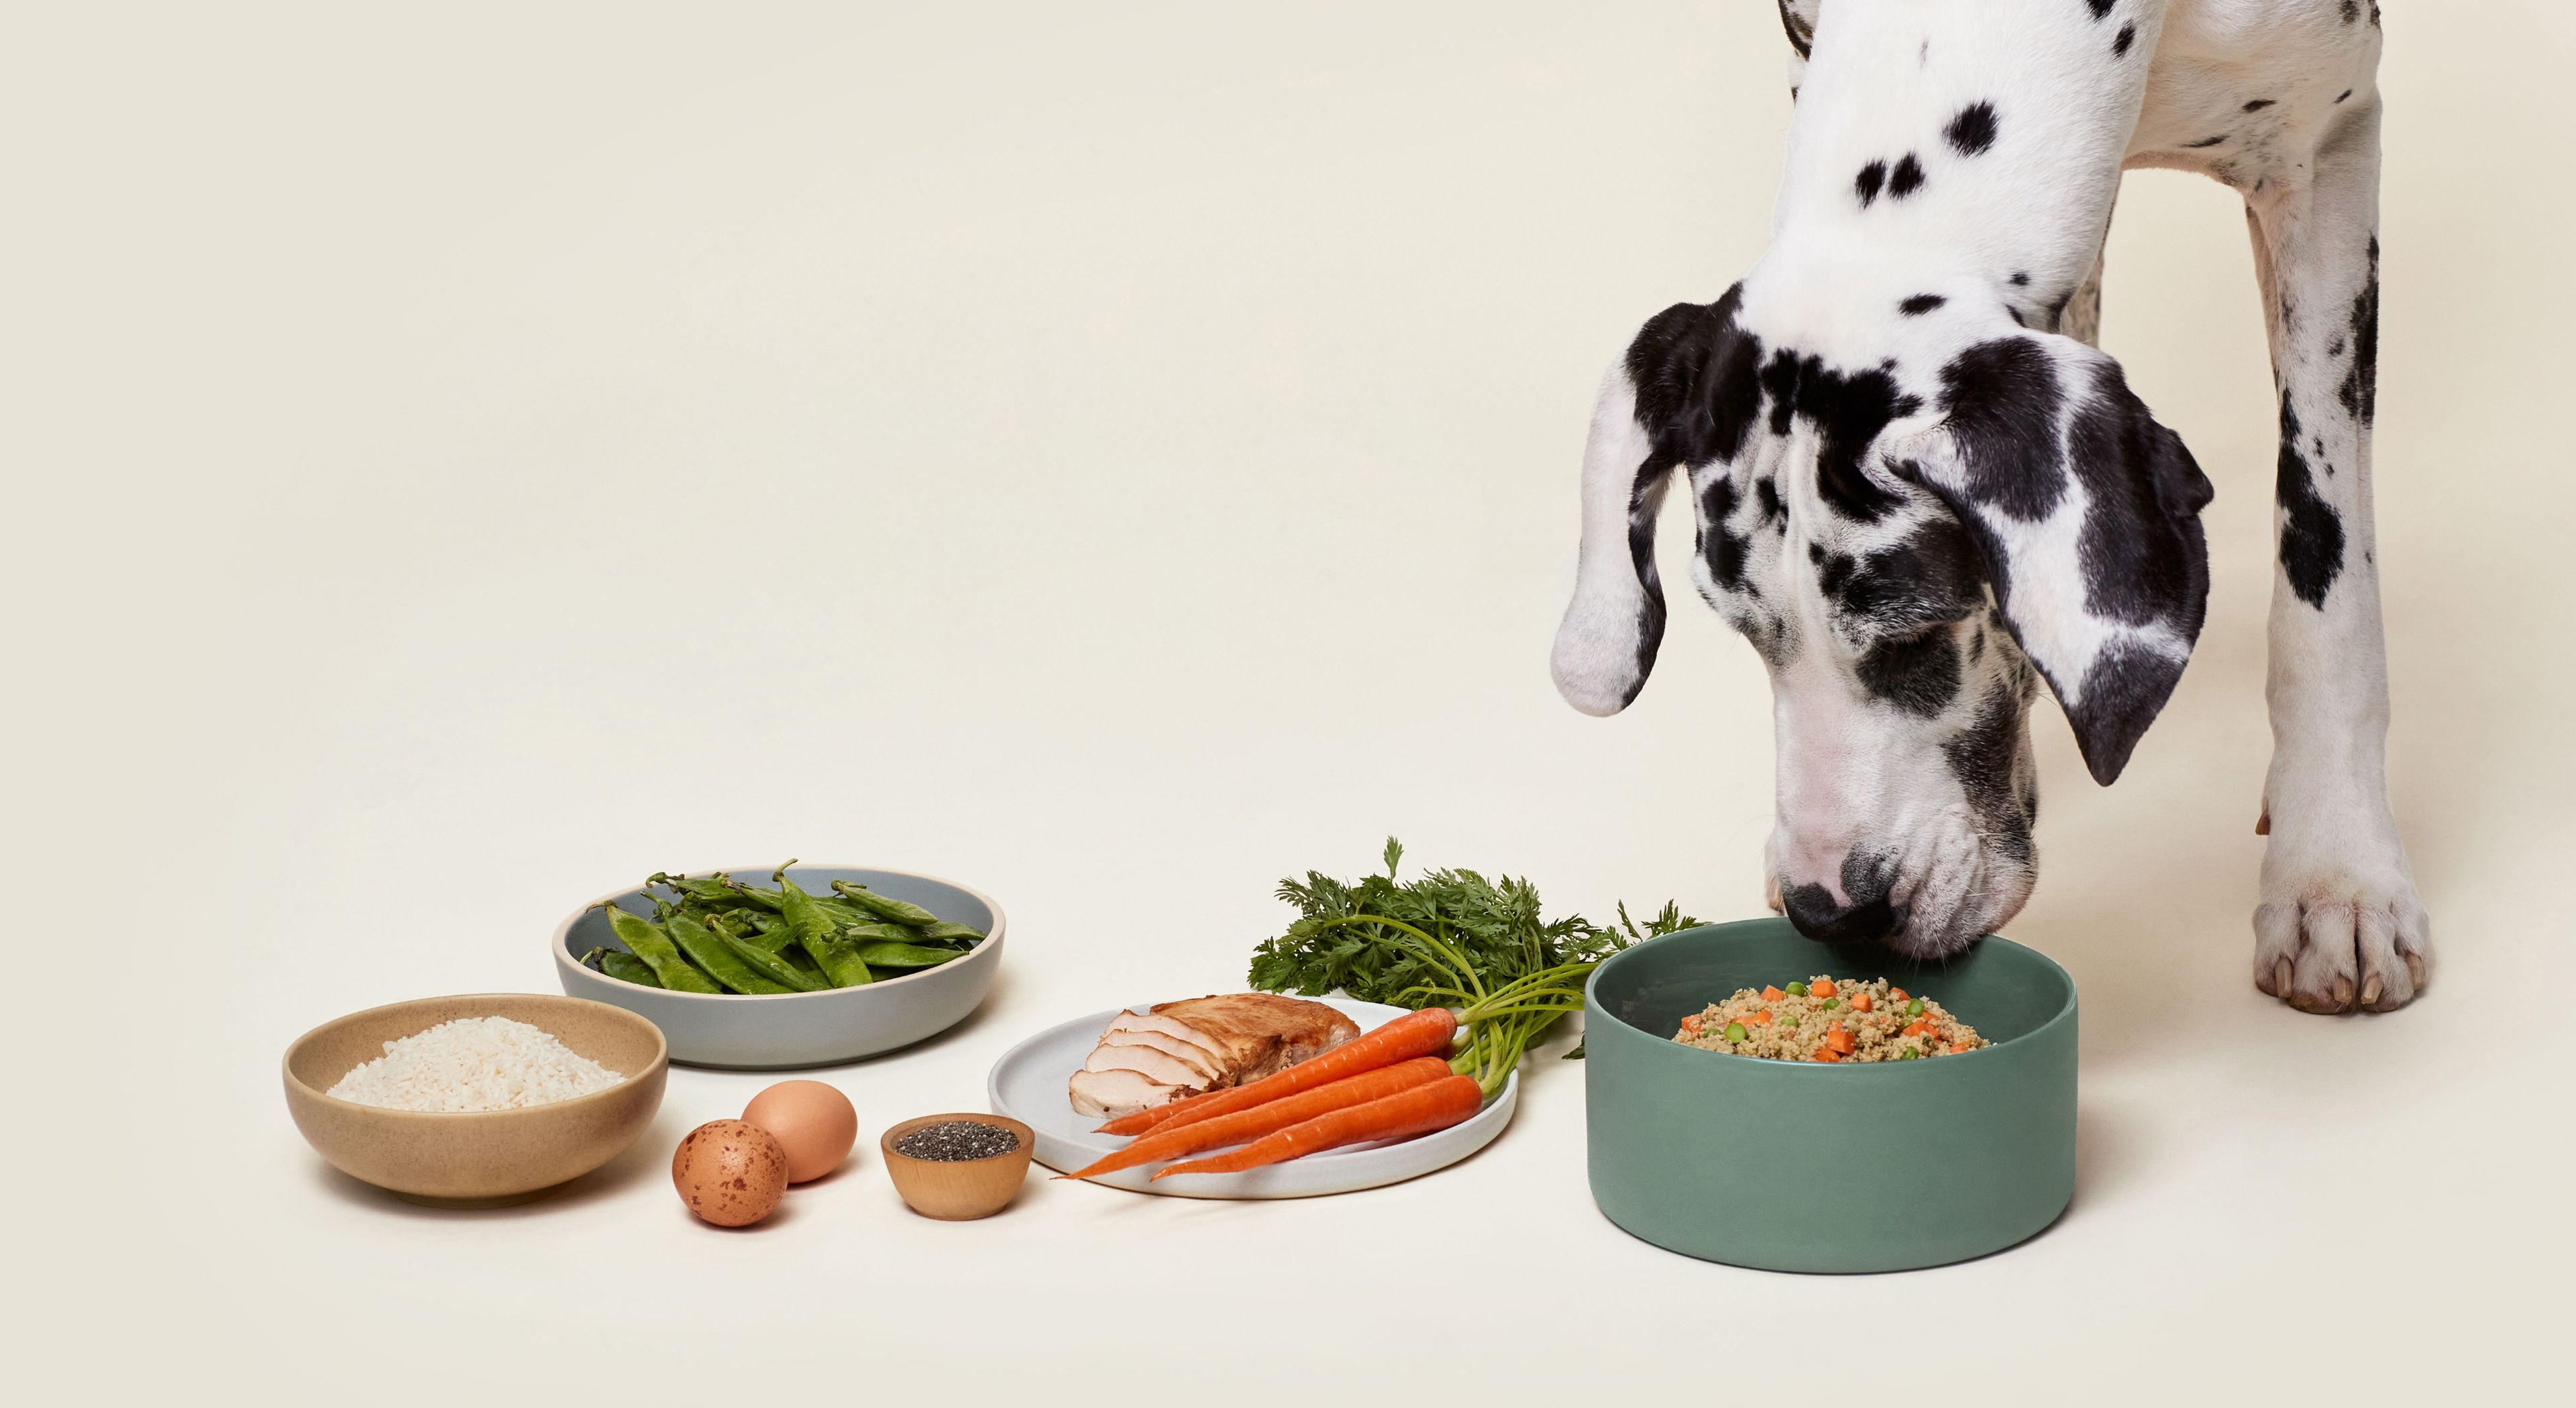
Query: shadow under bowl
(784, 1031)
(1800, 1166)
(487, 1158)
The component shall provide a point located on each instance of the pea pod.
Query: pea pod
(621, 965)
(895, 955)
(656, 949)
(710, 953)
(769, 965)
(946, 932)
(896, 910)
(820, 936)
(873, 932)
(770, 931)
(716, 891)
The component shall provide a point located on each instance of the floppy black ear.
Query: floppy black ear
(2088, 512)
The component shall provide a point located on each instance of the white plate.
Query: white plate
(1028, 1084)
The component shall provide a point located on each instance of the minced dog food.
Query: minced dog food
(1829, 1019)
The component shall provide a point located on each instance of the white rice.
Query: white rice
(474, 1063)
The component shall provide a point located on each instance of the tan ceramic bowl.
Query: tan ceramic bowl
(498, 1155)
(964, 1190)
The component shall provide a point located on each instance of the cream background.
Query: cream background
(1117, 455)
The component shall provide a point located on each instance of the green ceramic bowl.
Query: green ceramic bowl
(1795, 1166)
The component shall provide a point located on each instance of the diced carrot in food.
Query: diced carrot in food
(1761, 1017)
(1821, 987)
(1691, 1024)
(1860, 1002)
(1896, 994)
(1955, 1050)
(1917, 1029)
(1826, 1053)
(1772, 994)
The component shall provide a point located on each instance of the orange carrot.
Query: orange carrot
(1860, 1002)
(1772, 994)
(1141, 1120)
(1821, 987)
(1838, 1040)
(1691, 1024)
(1420, 1110)
(1273, 1116)
(1826, 1053)
(1761, 1017)
(1424, 1033)
(1896, 994)
(1919, 1027)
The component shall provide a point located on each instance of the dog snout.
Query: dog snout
(1862, 914)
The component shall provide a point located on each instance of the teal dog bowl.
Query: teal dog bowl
(1797, 1166)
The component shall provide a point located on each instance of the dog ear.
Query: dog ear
(2088, 513)
(1684, 394)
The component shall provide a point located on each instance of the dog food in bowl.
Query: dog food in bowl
(1829, 1019)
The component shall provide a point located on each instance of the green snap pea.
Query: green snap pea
(815, 930)
(1735, 1032)
(896, 955)
(713, 955)
(946, 932)
(896, 910)
(653, 946)
(1796, 989)
(621, 965)
(770, 965)
(876, 932)
(716, 891)
(1913, 1007)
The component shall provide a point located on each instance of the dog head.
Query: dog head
(1915, 508)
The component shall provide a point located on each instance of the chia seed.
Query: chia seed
(957, 1142)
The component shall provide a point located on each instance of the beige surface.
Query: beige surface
(1118, 456)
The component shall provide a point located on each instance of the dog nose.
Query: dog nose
(1868, 919)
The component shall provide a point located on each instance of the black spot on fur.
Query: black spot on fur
(2258, 105)
(1920, 304)
(2205, 142)
(1906, 179)
(2335, 348)
(2144, 559)
(1985, 758)
(2002, 397)
(1918, 673)
(2122, 691)
(1767, 494)
(2021, 278)
(2015, 314)
(1694, 370)
(1973, 130)
(2120, 42)
(1848, 411)
(2101, 8)
(2360, 390)
(2311, 530)
(2339, 97)
(2351, 10)
(1719, 545)
(1930, 577)
(1867, 183)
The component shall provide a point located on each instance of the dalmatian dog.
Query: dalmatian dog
(1922, 490)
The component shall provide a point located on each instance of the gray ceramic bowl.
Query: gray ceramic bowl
(805, 1028)
(1793, 1166)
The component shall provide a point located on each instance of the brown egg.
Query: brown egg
(813, 1122)
(730, 1173)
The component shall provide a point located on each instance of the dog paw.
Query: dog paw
(2342, 931)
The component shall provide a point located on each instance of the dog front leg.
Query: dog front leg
(2338, 925)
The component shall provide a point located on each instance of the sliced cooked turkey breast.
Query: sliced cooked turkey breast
(1204, 1043)
(1109, 1094)
(1147, 1062)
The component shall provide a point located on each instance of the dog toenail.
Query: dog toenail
(2343, 992)
(2370, 991)
(2415, 968)
(2281, 978)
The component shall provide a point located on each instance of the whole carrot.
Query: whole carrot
(1272, 1116)
(1420, 1110)
(1142, 1120)
(1424, 1033)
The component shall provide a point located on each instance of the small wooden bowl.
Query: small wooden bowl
(965, 1190)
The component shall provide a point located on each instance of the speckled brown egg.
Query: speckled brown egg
(730, 1173)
